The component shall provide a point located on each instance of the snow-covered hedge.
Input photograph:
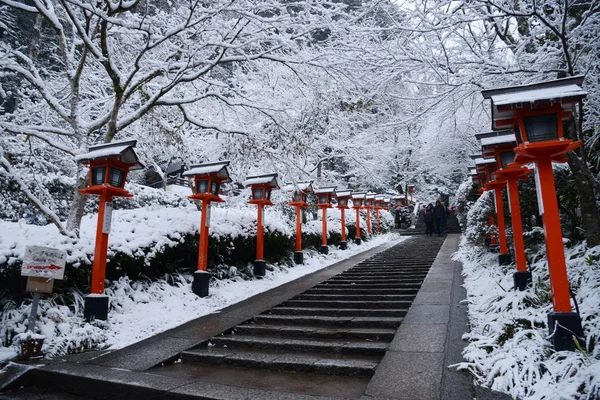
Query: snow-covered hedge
(509, 348)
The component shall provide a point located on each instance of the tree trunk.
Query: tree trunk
(584, 182)
(77, 206)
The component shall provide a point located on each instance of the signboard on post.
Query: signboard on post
(108, 209)
(44, 262)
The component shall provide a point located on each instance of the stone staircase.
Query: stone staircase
(340, 327)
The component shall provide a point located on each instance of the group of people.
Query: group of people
(435, 219)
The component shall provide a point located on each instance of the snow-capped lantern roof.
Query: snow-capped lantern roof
(358, 195)
(216, 169)
(304, 187)
(502, 141)
(265, 180)
(343, 193)
(121, 150)
(325, 190)
(507, 102)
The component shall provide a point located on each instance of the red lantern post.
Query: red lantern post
(368, 206)
(536, 114)
(342, 204)
(500, 145)
(207, 179)
(489, 167)
(378, 205)
(324, 196)
(357, 202)
(261, 186)
(109, 165)
(300, 192)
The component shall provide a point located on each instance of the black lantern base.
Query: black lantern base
(298, 257)
(504, 259)
(260, 268)
(95, 306)
(343, 245)
(324, 249)
(200, 283)
(522, 279)
(358, 240)
(565, 327)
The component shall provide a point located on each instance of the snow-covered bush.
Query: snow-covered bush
(478, 229)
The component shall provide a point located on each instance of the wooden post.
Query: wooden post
(203, 245)
(101, 249)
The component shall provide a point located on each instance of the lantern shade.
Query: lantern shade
(98, 175)
(343, 201)
(258, 193)
(542, 127)
(506, 157)
(202, 186)
(214, 187)
(116, 178)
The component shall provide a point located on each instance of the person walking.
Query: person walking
(439, 214)
(428, 216)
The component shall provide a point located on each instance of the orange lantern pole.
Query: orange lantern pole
(324, 197)
(207, 179)
(109, 165)
(261, 186)
(357, 201)
(497, 186)
(101, 247)
(522, 277)
(500, 145)
(369, 198)
(377, 205)
(342, 204)
(299, 191)
(260, 234)
(536, 114)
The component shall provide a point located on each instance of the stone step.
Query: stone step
(316, 332)
(303, 345)
(348, 304)
(293, 363)
(354, 297)
(324, 321)
(351, 289)
(349, 281)
(373, 286)
(387, 312)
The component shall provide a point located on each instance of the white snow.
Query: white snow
(533, 95)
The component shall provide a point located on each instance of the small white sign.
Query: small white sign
(207, 223)
(46, 262)
(108, 209)
(539, 190)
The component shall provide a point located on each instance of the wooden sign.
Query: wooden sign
(39, 285)
(44, 262)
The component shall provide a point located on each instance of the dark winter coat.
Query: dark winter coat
(439, 211)
(428, 215)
